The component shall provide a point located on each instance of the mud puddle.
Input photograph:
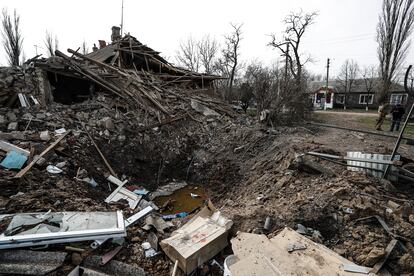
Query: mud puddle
(186, 199)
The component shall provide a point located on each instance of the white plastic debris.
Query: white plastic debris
(60, 165)
(44, 135)
(53, 169)
(151, 253)
(194, 195)
(146, 245)
(60, 131)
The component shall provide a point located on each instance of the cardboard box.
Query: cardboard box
(199, 240)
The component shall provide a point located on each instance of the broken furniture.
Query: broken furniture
(34, 229)
(288, 253)
(197, 241)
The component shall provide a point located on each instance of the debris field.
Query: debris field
(121, 131)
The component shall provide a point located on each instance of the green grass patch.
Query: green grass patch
(369, 122)
(355, 110)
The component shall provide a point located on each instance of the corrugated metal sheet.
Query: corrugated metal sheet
(378, 168)
(103, 54)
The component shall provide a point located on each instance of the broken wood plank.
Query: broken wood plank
(99, 151)
(377, 267)
(31, 164)
(93, 77)
(98, 63)
(154, 101)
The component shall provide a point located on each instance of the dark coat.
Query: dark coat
(397, 112)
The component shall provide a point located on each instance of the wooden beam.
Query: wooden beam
(104, 65)
(90, 75)
(31, 164)
(100, 152)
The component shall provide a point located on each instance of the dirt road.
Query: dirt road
(346, 113)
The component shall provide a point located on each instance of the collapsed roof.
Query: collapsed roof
(133, 73)
(129, 53)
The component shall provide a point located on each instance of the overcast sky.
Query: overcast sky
(343, 29)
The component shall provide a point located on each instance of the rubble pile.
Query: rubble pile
(340, 210)
(17, 80)
(133, 126)
(251, 173)
(132, 129)
(80, 183)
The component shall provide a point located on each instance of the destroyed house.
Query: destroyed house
(362, 94)
(129, 53)
(125, 64)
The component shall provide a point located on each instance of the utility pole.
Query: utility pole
(328, 63)
(287, 60)
(122, 17)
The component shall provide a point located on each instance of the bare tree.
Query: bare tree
(188, 55)
(393, 36)
(221, 67)
(208, 49)
(347, 77)
(12, 37)
(85, 48)
(296, 26)
(51, 43)
(263, 83)
(370, 76)
(231, 52)
(292, 96)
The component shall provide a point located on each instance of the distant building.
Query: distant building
(358, 97)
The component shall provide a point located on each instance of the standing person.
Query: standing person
(382, 113)
(397, 113)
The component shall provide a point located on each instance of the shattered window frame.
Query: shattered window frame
(15, 241)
